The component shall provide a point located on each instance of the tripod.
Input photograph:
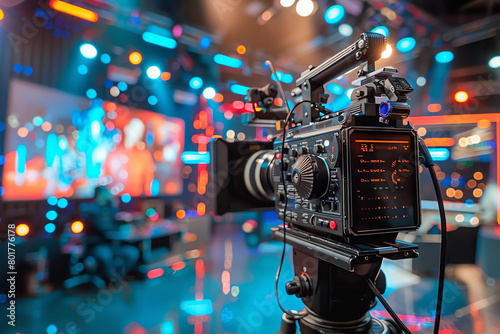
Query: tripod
(330, 279)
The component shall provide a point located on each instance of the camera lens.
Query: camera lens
(258, 175)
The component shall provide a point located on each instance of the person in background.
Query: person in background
(113, 259)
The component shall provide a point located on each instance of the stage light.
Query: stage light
(228, 61)
(126, 198)
(494, 62)
(50, 228)
(152, 100)
(82, 69)
(239, 89)
(159, 40)
(153, 72)
(155, 273)
(241, 49)
(88, 51)
(114, 91)
(283, 77)
(165, 76)
(305, 8)
(209, 93)
(196, 83)
(287, 3)
(333, 15)
(52, 329)
(28, 71)
(439, 154)
(406, 44)
(421, 81)
(18, 68)
(77, 227)
(73, 10)
(2, 15)
(122, 86)
(52, 200)
(345, 30)
(91, 93)
(63, 202)
(180, 214)
(195, 158)
(105, 58)
(388, 51)
(461, 96)
(381, 30)
(22, 230)
(51, 215)
(444, 57)
(37, 121)
(135, 58)
(205, 42)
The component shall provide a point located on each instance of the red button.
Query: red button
(333, 224)
(278, 156)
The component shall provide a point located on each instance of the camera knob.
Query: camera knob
(319, 148)
(304, 150)
(300, 286)
(334, 186)
(294, 152)
(310, 176)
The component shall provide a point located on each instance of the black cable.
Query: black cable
(442, 255)
(429, 163)
(393, 314)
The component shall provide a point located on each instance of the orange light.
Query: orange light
(73, 10)
(435, 107)
(180, 214)
(483, 124)
(178, 265)
(439, 142)
(278, 101)
(461, 96)
(241, 49)
(1, 15)
(200, 209)
(218, 98)
(46, 126)
(22, 132)
(77, 227)
(165, 76)
(22, 230)
(135, 58)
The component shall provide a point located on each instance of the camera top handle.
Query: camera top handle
(368, 48)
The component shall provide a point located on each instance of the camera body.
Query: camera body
(356, 182)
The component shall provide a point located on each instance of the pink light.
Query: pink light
(155, 273)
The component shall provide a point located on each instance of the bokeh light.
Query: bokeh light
(88, 51)
(77, 227)
(135, 58)
(22, 230)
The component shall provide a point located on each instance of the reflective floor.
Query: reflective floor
(235, 286)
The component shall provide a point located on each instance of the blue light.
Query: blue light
(167, 328)
(345, 30)
(91, 93)
(88, 51)
(37, 121)
(50, 228)
(334, 14)
(52, 148)
(21, 158)
(52, 329)
(239, 89)
(82, 69)
(406, 44)
(152, 100)
(28, 71)
(108, 83)
(209, 93)
(62, 203)
(52, 200)
(439, 154)
(126, 198)
(284, 77)
(155, 187)
(105, 58)
(381, 30)
(444, 57)
(51, 215)
(18, 68)
(205, 42)
(2, 159)
(159, 40)
(122, 86)
(194, 158)
(197, 307)
(153, 72)
(335, 89)
(228, 61)
(196, 83)
(469, 203)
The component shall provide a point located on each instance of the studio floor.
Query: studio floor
(235, 286)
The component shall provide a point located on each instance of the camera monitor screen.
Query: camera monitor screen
(384, 188)
(64, 145)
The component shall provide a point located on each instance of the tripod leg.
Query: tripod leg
(288, 326)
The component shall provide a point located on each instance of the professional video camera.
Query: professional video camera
(344, 182)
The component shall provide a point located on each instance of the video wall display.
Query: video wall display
(57, 144)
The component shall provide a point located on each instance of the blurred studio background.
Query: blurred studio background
(106, 110)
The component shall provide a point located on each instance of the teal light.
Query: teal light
(444, 57)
